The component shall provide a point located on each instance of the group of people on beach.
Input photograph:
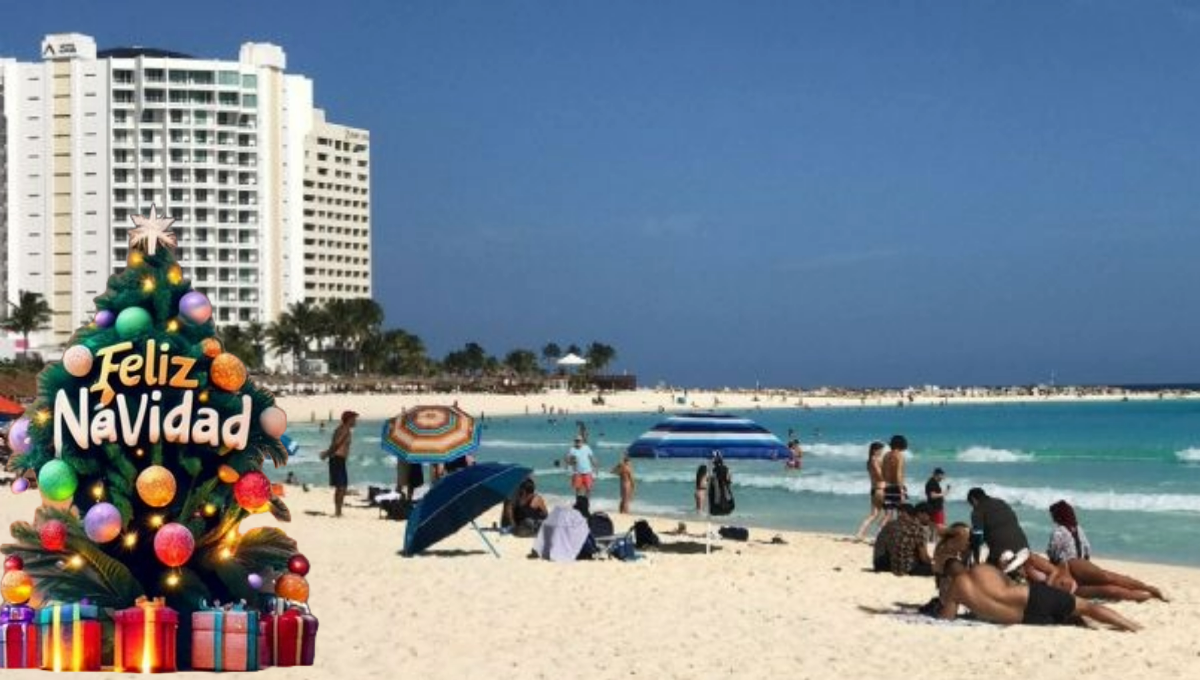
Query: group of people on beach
(986, 566)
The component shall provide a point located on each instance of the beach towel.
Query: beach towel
(562, 535)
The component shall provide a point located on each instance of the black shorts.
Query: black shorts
(893, 496)
(337, 472)
(1048, 606)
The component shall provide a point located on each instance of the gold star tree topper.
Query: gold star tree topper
(150, 231)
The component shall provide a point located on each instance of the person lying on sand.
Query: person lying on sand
(991, 596)
(1087, 580)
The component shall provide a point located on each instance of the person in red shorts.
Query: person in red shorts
(582, 464)
(935, 494)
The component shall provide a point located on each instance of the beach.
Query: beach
(804, 609)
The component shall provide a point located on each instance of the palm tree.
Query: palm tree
(29, 314)
(551, 353)
(255, 335)
(287, 336)
(363, 319)
(600, 355)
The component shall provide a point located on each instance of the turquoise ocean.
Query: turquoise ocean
(1131, 469)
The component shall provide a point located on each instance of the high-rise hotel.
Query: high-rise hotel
(272, 201)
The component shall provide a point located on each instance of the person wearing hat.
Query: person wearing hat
(582, 464)
(337, 453)
(935, 495)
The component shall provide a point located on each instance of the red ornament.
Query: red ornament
(53, 535)
(252, 490)
(174, 545)
(298, 564)
(15, 563)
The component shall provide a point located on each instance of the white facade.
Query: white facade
(94, 137)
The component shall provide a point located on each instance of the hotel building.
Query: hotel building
(272, 203)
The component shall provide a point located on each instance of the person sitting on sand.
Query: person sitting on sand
(995, 521)
(907, 552)
(1086, 579)
(991, 596)
(526, 511)
(1067, 541)
(701, 488)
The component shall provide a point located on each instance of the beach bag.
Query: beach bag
(720, 492)
(396, 509)
(600, 524)
(734, 533)
(623, 549)
(644, 536)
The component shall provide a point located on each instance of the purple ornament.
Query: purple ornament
(104, 318)
(255, 581)
(102, 523)
(20, 485)
(195, 307)
(18, 436)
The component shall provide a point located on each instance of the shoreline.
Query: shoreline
(379, 406)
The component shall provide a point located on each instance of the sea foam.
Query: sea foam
(1191, 455)
(985, 454)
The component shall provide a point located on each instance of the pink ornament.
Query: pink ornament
(14, 563)
(252, 490)
(78, 360)
(20, 485)
(174, 544)
(18, 436)
(195, 307)
(104, 318)
(273, 421)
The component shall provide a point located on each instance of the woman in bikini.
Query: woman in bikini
(701, 488)
(1083, 578)
(875, 471)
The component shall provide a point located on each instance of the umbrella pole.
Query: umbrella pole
(484, 538)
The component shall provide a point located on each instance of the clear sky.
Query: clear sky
(791, 193)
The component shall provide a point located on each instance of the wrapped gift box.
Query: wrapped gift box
(18, 637)
(70, 637)
(292, 634)
(227, 639)
(145, 635)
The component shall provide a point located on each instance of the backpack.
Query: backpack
(600, 524)
(734, 533)
(623, 549)
(720, 492)
(644, 536)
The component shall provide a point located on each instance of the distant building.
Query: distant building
(231, 149)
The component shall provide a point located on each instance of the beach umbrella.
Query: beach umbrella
(430, 434)
(699, 435)
(571, 360)
(457, 499)
(10, 409)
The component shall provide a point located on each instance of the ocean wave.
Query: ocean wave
(838, 484)
(1042, 497)
(984, 454)
(1191, 455)
(521, 444)
(852, 451)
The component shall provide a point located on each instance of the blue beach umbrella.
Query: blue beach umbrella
(457, 499)
(700, 435)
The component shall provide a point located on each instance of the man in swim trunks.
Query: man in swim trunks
(992, 597)
(894, 492)
(582, 464)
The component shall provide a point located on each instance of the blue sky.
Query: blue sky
(790, 193)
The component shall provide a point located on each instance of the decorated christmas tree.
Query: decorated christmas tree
(149, 441)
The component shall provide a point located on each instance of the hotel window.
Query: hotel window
(250, 81)
(228, 78)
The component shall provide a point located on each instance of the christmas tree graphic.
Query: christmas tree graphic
(149, 442)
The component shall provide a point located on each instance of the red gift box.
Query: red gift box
(292, 637)
(70, 637)
(18, 638)
(145, 637)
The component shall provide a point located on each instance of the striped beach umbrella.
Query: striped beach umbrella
(430, 434)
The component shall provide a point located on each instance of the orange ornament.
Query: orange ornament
(16, 587)
(211, 347)
(227, 474)
(292, 587)
(227, 372)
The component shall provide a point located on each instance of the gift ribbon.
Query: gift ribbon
(218, 633)
(76, 638)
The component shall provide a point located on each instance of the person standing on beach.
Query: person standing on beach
(935, 495)
(582, 464)
(337, 453)
(701, 487)
(624, 471)
(892, 465)
(875, 471)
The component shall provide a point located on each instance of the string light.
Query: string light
(75, 562)
(130, 539)
(172, 325)
(175, 275)
(98, 491)
(204, 397)
(43, 416)
(172, 579)
(209, 509)
(155, 521)
(148, 284)
(136, 259)
(139, 453)
(226, 553)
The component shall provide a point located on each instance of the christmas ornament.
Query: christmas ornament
(18, 436)
(78, 360)
(14, 563)
(175, 275)
(211, 347)
(104, 318)
(195, 307)
(227, 372)
(20, 485)
(227, 474)
(255, 581)
(149, 232)
(102, 523)
(16, 587)
(133, 321)
(298, 564)
(292, 587)
(53, 535)
(273, 421)
(57, 481)
(156, 486)
(252, 491)
(174, 544)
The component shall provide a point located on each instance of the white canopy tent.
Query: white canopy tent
(571, 360)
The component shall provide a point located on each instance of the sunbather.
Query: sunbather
(1085, 579)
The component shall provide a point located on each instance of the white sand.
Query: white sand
(751, 610)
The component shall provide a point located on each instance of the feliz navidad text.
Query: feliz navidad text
(125, 422)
